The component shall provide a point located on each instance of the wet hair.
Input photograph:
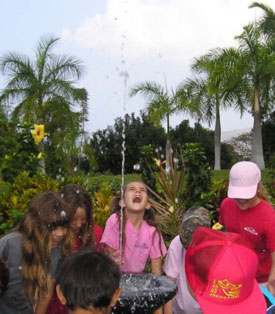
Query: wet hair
(149, 215)
(88, 278)
(45, 212)
(4, 277)
(76, 196)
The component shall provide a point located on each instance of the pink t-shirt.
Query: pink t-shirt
(174, 266)
(257, 226)
(139, 244)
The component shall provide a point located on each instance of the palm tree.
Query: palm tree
(257, 67)
(209, 95)
(161, 105)
(248, 74)
(266, 22)
(42, 87)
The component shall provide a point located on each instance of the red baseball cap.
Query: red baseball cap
(221, 271)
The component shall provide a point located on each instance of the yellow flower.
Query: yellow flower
(217, 226)
(39, 156)
(171, 209)
(158, 162)
(38, 133)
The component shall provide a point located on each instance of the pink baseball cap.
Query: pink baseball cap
(244, 177)
(221, 271)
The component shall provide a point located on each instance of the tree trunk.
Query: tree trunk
(168, 149)
(41, 162)
(257, 144)
(217, 138)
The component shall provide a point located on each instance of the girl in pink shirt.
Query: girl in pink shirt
(141, 238)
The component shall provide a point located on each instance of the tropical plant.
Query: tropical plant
(15, 196)
(267, 21)
(147, 166)
(17, 150)
(161, 105)
(102, 204)
(198, 174)
(168, 201)
(42, 90)
(209, 96)
(248, 74)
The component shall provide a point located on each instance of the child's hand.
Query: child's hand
(113, 254)
(116, 256)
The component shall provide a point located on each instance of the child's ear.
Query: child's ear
(115, 296)
(121, 203)
(148, 205)
(60, 295)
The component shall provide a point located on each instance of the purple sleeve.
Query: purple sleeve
(110, 235)
(172, 259)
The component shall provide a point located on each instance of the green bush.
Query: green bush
(14, 197)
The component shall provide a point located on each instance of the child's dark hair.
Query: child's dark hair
(149, 215)
(88, 278)
(4, 277)
(76, 196)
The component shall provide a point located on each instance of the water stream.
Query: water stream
(124, 74)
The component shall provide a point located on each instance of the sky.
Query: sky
(125, 42)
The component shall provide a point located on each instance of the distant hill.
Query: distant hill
(228, 135)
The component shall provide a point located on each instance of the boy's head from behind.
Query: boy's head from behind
(221, 272)
(88, 282)
(193, 218)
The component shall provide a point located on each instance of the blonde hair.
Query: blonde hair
(45, 212)
(262, 192)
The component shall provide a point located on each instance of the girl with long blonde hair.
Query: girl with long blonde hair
(32, 252)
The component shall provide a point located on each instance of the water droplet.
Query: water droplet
(136, 167)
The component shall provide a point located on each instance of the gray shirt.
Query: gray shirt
(14, 301)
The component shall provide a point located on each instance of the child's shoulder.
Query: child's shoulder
(12, 236)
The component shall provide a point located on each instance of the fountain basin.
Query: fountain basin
(143, 293)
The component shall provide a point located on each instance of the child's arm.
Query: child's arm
(42, 305)
(112, 253)
(271, 278)
(156, 265)
(157, 270)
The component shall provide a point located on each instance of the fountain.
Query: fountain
(143, 293)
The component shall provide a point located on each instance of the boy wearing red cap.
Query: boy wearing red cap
(220, 270)
(245, 212)
(183, 302)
